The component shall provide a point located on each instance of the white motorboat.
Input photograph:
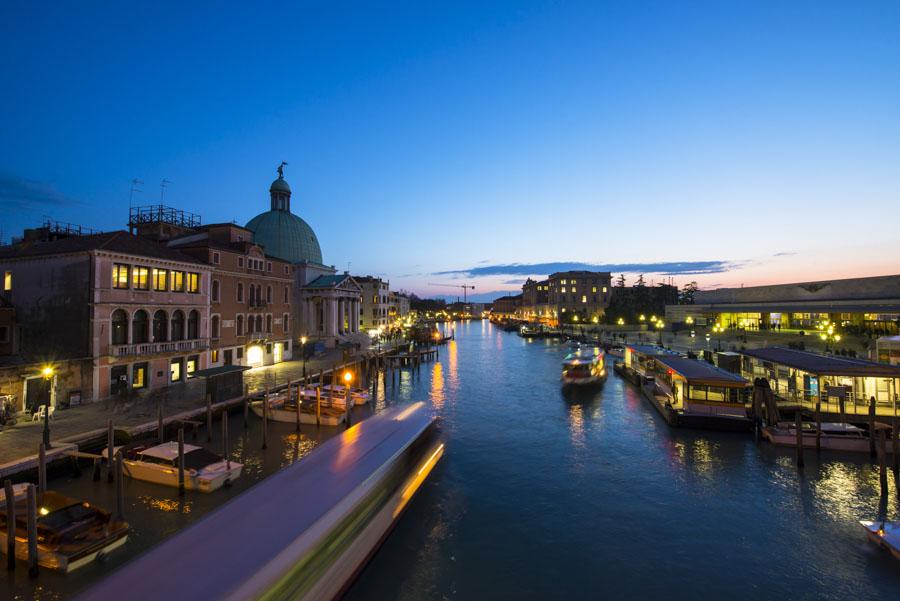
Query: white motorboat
(580, 370)
(71, 533)
(835, 436)
(284, 410)
(359, 396)
(884, 534)
(203, 470)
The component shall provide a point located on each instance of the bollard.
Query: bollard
(120, 487)
(225, 452)
(159, 423)
(42, 469)
(799, 426)
(208, 417)
(872, 426)
(110, 444)
(10, 519)
(31, 517)
(818, 426)
(882, 462)
(181, 460)
(318, 406)
(265, 421)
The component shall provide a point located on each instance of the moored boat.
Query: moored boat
(203, 470)
(582, 370)
(284, 410)
(884, 534)
(834, 436)
(71, 533)
(359, 396)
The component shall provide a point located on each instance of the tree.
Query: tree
(640, 281)
(620, 282)
(687, 294)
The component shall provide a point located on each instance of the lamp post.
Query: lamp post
(47, 372)
(303, 353)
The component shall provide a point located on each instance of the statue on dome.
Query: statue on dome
(281, 169)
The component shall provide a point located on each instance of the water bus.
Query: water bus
(580, 370)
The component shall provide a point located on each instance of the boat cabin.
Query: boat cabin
(639, 358)
(841, 384)
(700, 388)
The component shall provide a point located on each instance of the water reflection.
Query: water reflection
(437, 386)
(176, 504)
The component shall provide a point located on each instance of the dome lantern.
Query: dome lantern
(280, 191)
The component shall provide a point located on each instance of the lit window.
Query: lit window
(177, 281)
(594, 289)
(214, 356)
(140, 278)
(175, 370)
(562, 281)
(7, 281)
(573, 290)
(120, 276)
(192, 364)
(604, 290)
(583, 298)
(193, 283)
(139, 375)
(563, 309)
(160, 279)
(563, 290)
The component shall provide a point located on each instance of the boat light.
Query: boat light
(43, 511)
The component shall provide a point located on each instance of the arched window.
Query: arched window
(139, 326)
(258, 295)
(268, 324)
(239, 325)
(193, 329)
(268, 294)
(215, 291)
(214, 326)
(160, 326)
(240, 292)
(119, 329)
(258, 324)
(284, 322)
(178, 325)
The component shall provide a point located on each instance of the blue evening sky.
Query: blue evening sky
(746, 142)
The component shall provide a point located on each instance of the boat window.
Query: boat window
(59, 519)
(716, 393)
(156, 460)
(198, 459)
(698, 393)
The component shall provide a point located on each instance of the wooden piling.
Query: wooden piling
(818, 426)
(872, 426)
(159, 423)
(799, 426)
(120, 487)
(96, 474)
(10, 519)
(181, 460)
(31, 517)
(208, 417)
(42, 469)
(225, 452)
(246, 403)
(265, 420)
(110, 445)
(882, 462)
(318, 406)
(299, 400)
(347, 412)
(895, 442)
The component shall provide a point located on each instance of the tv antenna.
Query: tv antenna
(134, 188)
(162, 189)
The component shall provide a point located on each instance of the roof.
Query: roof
(823, 364)
(701, 372)
(651, 350)
(218, 371)
(328, 281)
(286, 236)
(119, 241)
(167, 450)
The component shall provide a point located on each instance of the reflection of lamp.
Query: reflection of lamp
(47, 372)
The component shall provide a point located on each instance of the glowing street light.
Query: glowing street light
(47, 372)
(303, 340)
(621, 322)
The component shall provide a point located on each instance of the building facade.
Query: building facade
(376, 303)
(251, 294)
(536, 302)
(579, 296)
(110, 313)
(506, 307)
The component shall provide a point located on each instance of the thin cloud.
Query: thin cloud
(20, 194)
(543, 269)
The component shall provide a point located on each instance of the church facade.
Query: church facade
(325, 304)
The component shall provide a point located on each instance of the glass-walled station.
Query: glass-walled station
(840, 384)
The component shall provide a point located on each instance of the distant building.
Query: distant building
(111, 313)
(398, 306)
(863, 305)
(579, 296)
(376, 306)
(536, 302)
(506, 307)
(250, 297)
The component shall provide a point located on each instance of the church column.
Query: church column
(356, 315)
(341, 314)
(332, 317)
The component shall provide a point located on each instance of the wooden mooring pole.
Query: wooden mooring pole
(159, 423)
(799, 427)
(818, 426)
(120, 487)
(208, 417)
(265, 421)
(42, 469)
(895, 442)
(246, 403)
(110, 445)
(225, 449)
(181, 460)
(299, 400)
(31, 521)
(318, 406)
(872, 426)
(882, 461)
(10, 519)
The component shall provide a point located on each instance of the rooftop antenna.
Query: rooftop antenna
(162, 189)
(134, 188)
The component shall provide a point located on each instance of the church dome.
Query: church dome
(286, 236)
(280, 232)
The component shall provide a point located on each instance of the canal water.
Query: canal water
(543, 494)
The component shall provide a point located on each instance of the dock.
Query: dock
(303, 533)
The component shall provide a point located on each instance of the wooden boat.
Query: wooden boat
(359, 396)
(203, 470)
(835, 436)
(580, 370)
(283, 410)
(71, 533)
(884, 534)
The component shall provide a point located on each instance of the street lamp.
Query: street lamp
(303, 353)
(47, 372)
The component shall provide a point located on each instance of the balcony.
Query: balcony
(154, 348)
(257, 304)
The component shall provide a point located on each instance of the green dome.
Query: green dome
(280, 185)
(286, 236)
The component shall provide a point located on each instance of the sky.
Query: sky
(731, 143)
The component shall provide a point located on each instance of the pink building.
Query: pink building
(113, 313)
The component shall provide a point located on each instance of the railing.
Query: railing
(153, 348)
